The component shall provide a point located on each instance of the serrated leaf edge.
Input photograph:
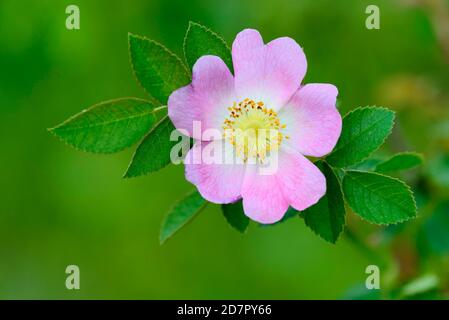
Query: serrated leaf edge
(65, 142)
(229, 224)
(390, 177)
(192, 23)
(383, 141)
(417, 154)
(125, 175)
(130, 35)
(200, 209)
(344, 216)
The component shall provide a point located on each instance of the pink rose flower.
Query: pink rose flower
(264, 94)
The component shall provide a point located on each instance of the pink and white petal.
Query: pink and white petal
(286, 66)
(205, 100)
(313, 123)
(248, 58)
(301, 182)
(263, 200)
(271, 73)
(215, 170)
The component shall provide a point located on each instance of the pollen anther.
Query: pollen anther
(253, 129)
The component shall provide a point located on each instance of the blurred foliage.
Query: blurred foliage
(61, 207)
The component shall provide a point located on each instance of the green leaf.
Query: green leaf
(436, 229)
(364, 131)
(327, 217)
(400, 161)
(153, 152)
(291, 212)
(361, 292)
(182, 213)
(235, 216)
(108, 126)
(368, 164)
(423, 284)
(159, 71)
(378, 198)
(200, 41)
(438, 170)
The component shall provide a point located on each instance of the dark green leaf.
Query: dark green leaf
(364, 131)
(438, 170)
(108, 126)
(182, 213)
(235, 216)
(378, 198)
(153, 153)
(159, 71)
(436, 230)
(400, 161)
(291, 213)
(327, 217)
(200, 41)
(287, 216)
(361, 292)
(366, 165)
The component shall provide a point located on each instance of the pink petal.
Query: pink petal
(270, 73)
(301, 182)
(263, 200)
(217, 182)
(312, 121)
(205, 100)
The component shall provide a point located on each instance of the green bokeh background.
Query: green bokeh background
(59, 206)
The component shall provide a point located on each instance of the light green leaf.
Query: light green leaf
(378, 198)
(364, 131)
(200, 41)
(327, 217)
(400, 161)
(422, 284)
(153, 152)
(235, 216)
(182, 213)
(159, 71)
(108, 126)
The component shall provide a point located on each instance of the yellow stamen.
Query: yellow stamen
(253, 129)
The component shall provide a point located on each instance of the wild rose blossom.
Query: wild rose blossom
(264, 95)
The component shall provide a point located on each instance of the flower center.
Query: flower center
(253, 129)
